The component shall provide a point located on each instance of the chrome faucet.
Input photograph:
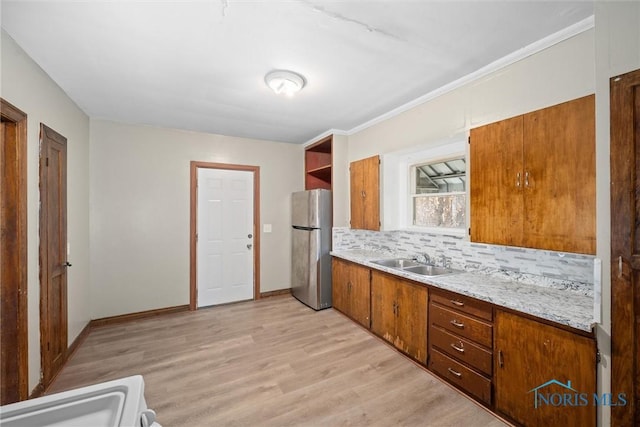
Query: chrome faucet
(444, 261)
(423, 258)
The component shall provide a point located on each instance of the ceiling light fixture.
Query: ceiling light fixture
(284, 82)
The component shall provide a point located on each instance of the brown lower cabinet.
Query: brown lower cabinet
(351, 290)
(461, 342)
(544, 376)
(399, 313)
(530, 372)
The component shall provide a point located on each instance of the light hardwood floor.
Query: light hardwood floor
(272, 362)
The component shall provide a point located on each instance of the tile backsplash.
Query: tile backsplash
(467, 255)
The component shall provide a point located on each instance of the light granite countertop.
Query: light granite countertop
(563, 306)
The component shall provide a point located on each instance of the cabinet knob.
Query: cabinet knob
(456, 348)
(457, 374)
(457, 324)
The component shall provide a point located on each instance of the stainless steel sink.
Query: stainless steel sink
(413, 266)
(399, 263)
(429, 270)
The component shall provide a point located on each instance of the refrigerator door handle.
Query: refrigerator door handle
(298, 227)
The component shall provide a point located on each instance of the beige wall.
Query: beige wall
(140, 211)
(340, 181)
(556, 74)
(26, 86)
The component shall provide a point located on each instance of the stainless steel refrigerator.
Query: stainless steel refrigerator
(311, 220)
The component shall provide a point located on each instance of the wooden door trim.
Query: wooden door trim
(47, 376)
(12, 114)
(193, 225)
(623, 163)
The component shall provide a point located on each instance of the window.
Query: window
(398, 184)
(438, 193)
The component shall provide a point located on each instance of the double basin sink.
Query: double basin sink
(413, 266)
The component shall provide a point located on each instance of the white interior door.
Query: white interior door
(225, 236)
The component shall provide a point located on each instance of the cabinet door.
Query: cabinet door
(383, 305)
(360, 295)
(532, 359)
(371, 188)
(496, 183)
(365, 193)
(356, 179)
(560, 175)
(339, 285)
(411, 320)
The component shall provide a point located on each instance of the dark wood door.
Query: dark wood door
(533, 358)
(411, 320)
(339, 285)
(560, 177)
(383, 305)
(53, 252)
(13, 255)
(360, 295)
(496, 183)
(625, 246)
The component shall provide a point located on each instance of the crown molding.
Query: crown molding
(324, 135)
(529, 50)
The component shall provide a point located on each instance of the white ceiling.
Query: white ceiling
(200, 65)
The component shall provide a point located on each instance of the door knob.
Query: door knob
(250, 235)
(249, 246)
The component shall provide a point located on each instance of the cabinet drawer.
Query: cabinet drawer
(465, 378)
(460, 324)
(461, 349)
(465, 304)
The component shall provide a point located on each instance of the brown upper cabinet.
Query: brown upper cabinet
(318, 164)
(365, 193)
(533, 179)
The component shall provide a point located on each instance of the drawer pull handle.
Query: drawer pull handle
(457, 324)
(456, 348)
(458, 303)
(452, 372)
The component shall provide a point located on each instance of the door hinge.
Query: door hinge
(469, 140)
(46, 162)
(469, 231)
(48, 348)
(598, 357)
